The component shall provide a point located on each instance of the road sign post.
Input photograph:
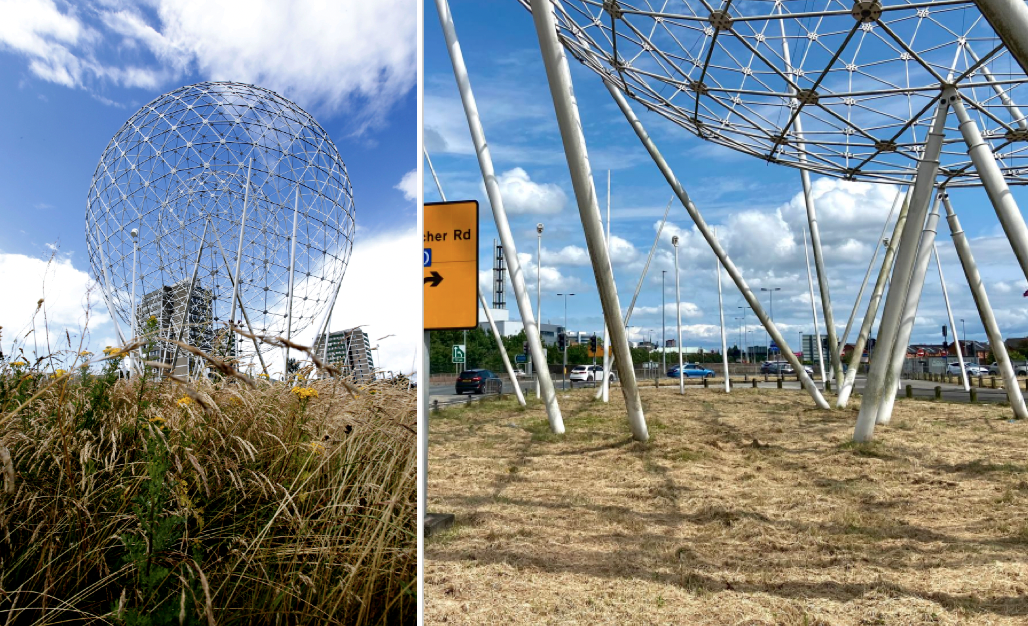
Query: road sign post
(459, 351)
(450, 262)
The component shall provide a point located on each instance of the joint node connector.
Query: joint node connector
(807, 96)
(1017, 134)
(698, 87)
(885, 145)
(613, 8)
(720, 19)
(867, 11)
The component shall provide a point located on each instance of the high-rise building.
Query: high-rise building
(167, 307)
(350, 351)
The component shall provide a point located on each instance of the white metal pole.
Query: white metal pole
(1013, 109)
(867, 274)
(876, 389)
(834, 349)
(678, 316)
(559, 77)
(701, 225)
(242, 309)
(981, 300)
(503, 351)
(914, 289)
(607, 360)
(813, 312)
(188, 301)
(539, 296)
(239, 251)
(135, 308)
(110, 309)
(424, 376)
(995, 185)
(485, 163)
(949, 315)
(721, 313)
(1009, 18)
(289, 303)
(846, 389)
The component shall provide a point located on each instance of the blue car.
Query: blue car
(690, 370)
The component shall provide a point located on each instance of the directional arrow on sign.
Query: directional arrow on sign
(434, 279)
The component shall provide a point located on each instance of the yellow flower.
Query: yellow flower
(153, 318)
(262, 375)
(185, 401)
(59, 373)
(157, 420)
(317, 448)
(85, 353)
(305, 392)
(19, 364)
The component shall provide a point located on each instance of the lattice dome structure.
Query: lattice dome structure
(177, 172)
(862, 78)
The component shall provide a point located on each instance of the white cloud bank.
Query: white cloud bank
(521, 195)
(325, 54)
(408, 185)
(67, 293)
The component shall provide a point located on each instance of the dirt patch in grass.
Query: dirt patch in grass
(747, 508)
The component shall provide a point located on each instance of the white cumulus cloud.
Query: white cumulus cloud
(522, 195)
(409, 185)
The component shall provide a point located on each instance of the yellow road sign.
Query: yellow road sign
(451, 265)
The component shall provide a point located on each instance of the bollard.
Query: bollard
(828, 385)
(979, 380)
(435, 406)
(754, 381)
(779, 381)
(992, 381)
(938, 392)
(765, 377)
(910, 391)
(706, 383)
(974, 394)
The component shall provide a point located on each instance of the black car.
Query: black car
(478, 381)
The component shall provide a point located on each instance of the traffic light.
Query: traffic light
(524, 348)
(592, 344)
(561, 341)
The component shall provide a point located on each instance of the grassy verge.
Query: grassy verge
(143, 502)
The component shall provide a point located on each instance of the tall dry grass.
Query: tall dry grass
(147, 502)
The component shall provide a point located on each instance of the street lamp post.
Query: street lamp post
(678, 314)
(566, 338)
(771, 301)
(663, 325)
(538, 291)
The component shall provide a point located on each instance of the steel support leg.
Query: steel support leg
(188, 301)
(678, 317)
(705, 230)
(485, 162)
(914, 289)
(867, 274)
(981, 300)
(239, 255)
(721, 315)
(289, 303)
(559, 77)
(813, 313)
(995, 185)
(604, 391)
(924, 182)
(503, 351)
(846, 389)
(242, 309)
(949, 315)
(1009, 18)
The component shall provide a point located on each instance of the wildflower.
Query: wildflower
(109, 350)
(86, 353)
(262, 375)
(185, 401)
(317, 447)
(305, 392)
(157, 420)
(19, 364)
(153, 318)
(60, 373)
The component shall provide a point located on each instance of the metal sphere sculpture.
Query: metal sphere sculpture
(846, 90)
(211, 184)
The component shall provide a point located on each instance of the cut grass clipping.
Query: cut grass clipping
(236, 501)
(750, 508)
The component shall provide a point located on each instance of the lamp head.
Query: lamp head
(134, 233)
(674, 241)
(539, 228)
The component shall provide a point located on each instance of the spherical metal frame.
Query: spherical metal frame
(863, 79)
(177, 173)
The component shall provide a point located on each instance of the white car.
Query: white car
(589, 373)
(1020, 369)
(953, 369)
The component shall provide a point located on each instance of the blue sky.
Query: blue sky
(72, 74)
(756, 206)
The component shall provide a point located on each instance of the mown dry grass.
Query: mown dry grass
(748, 508)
